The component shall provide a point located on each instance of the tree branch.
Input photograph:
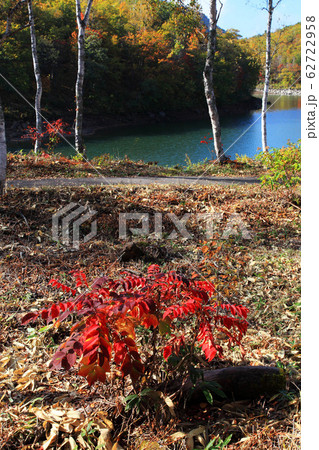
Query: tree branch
(87, 12)
(10, 17)
(220, 10)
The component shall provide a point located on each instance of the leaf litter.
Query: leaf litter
(39, 407)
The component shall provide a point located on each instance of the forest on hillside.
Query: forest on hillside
(141, 56)
(286, 50)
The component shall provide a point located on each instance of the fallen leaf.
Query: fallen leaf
(73, 414)
(178, 435)
(170, 405)
(72, 443)
(105, 439)
(196, 431)
(54, 433)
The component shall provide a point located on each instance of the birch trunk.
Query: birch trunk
(3, 152)
(209, 83)
(82, 24)
(270, 9)
(267, 79)
(3, 143)
(37, 75)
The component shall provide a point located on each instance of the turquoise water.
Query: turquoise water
(169, 143)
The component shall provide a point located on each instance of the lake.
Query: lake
(168, 143)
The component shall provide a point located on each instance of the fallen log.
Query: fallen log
(239, 383)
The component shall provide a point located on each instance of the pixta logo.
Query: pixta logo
(210, 223)
(70, 218)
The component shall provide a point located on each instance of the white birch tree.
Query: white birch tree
(270, 9)
(3, 143)
(82, 22)
(209, 81)
(37, 75)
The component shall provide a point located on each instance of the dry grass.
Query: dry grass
(57, 166)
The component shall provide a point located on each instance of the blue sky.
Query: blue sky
(247, 16)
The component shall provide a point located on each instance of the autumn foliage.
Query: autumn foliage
(286, 64)
(112, 313)
(53, 131)
(140, 56)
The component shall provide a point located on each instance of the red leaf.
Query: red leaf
(29, 317)
(167, 352)
(153, 270)
(150, 321)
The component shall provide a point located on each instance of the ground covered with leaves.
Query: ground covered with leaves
(22, 165)
(256, 265)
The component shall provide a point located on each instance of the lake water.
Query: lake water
(168, 143)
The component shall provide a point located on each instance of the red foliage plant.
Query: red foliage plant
(52, 131)
(110, 311)
(56, 127)
(32, 133)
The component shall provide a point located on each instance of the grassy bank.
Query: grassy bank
(56, 166)
(261, 273)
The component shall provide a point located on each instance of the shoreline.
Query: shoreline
(95, 124)
(280, 91)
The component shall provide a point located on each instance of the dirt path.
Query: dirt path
(59, 182)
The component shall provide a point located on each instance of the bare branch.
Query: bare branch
(6, 34)
(220, 10)
(9, 32)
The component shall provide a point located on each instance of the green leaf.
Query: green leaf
(208, 396)
(164, 327)
(213, 387)
(146, 392)
(132, 401)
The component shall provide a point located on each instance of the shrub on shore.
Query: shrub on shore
(283, 166)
